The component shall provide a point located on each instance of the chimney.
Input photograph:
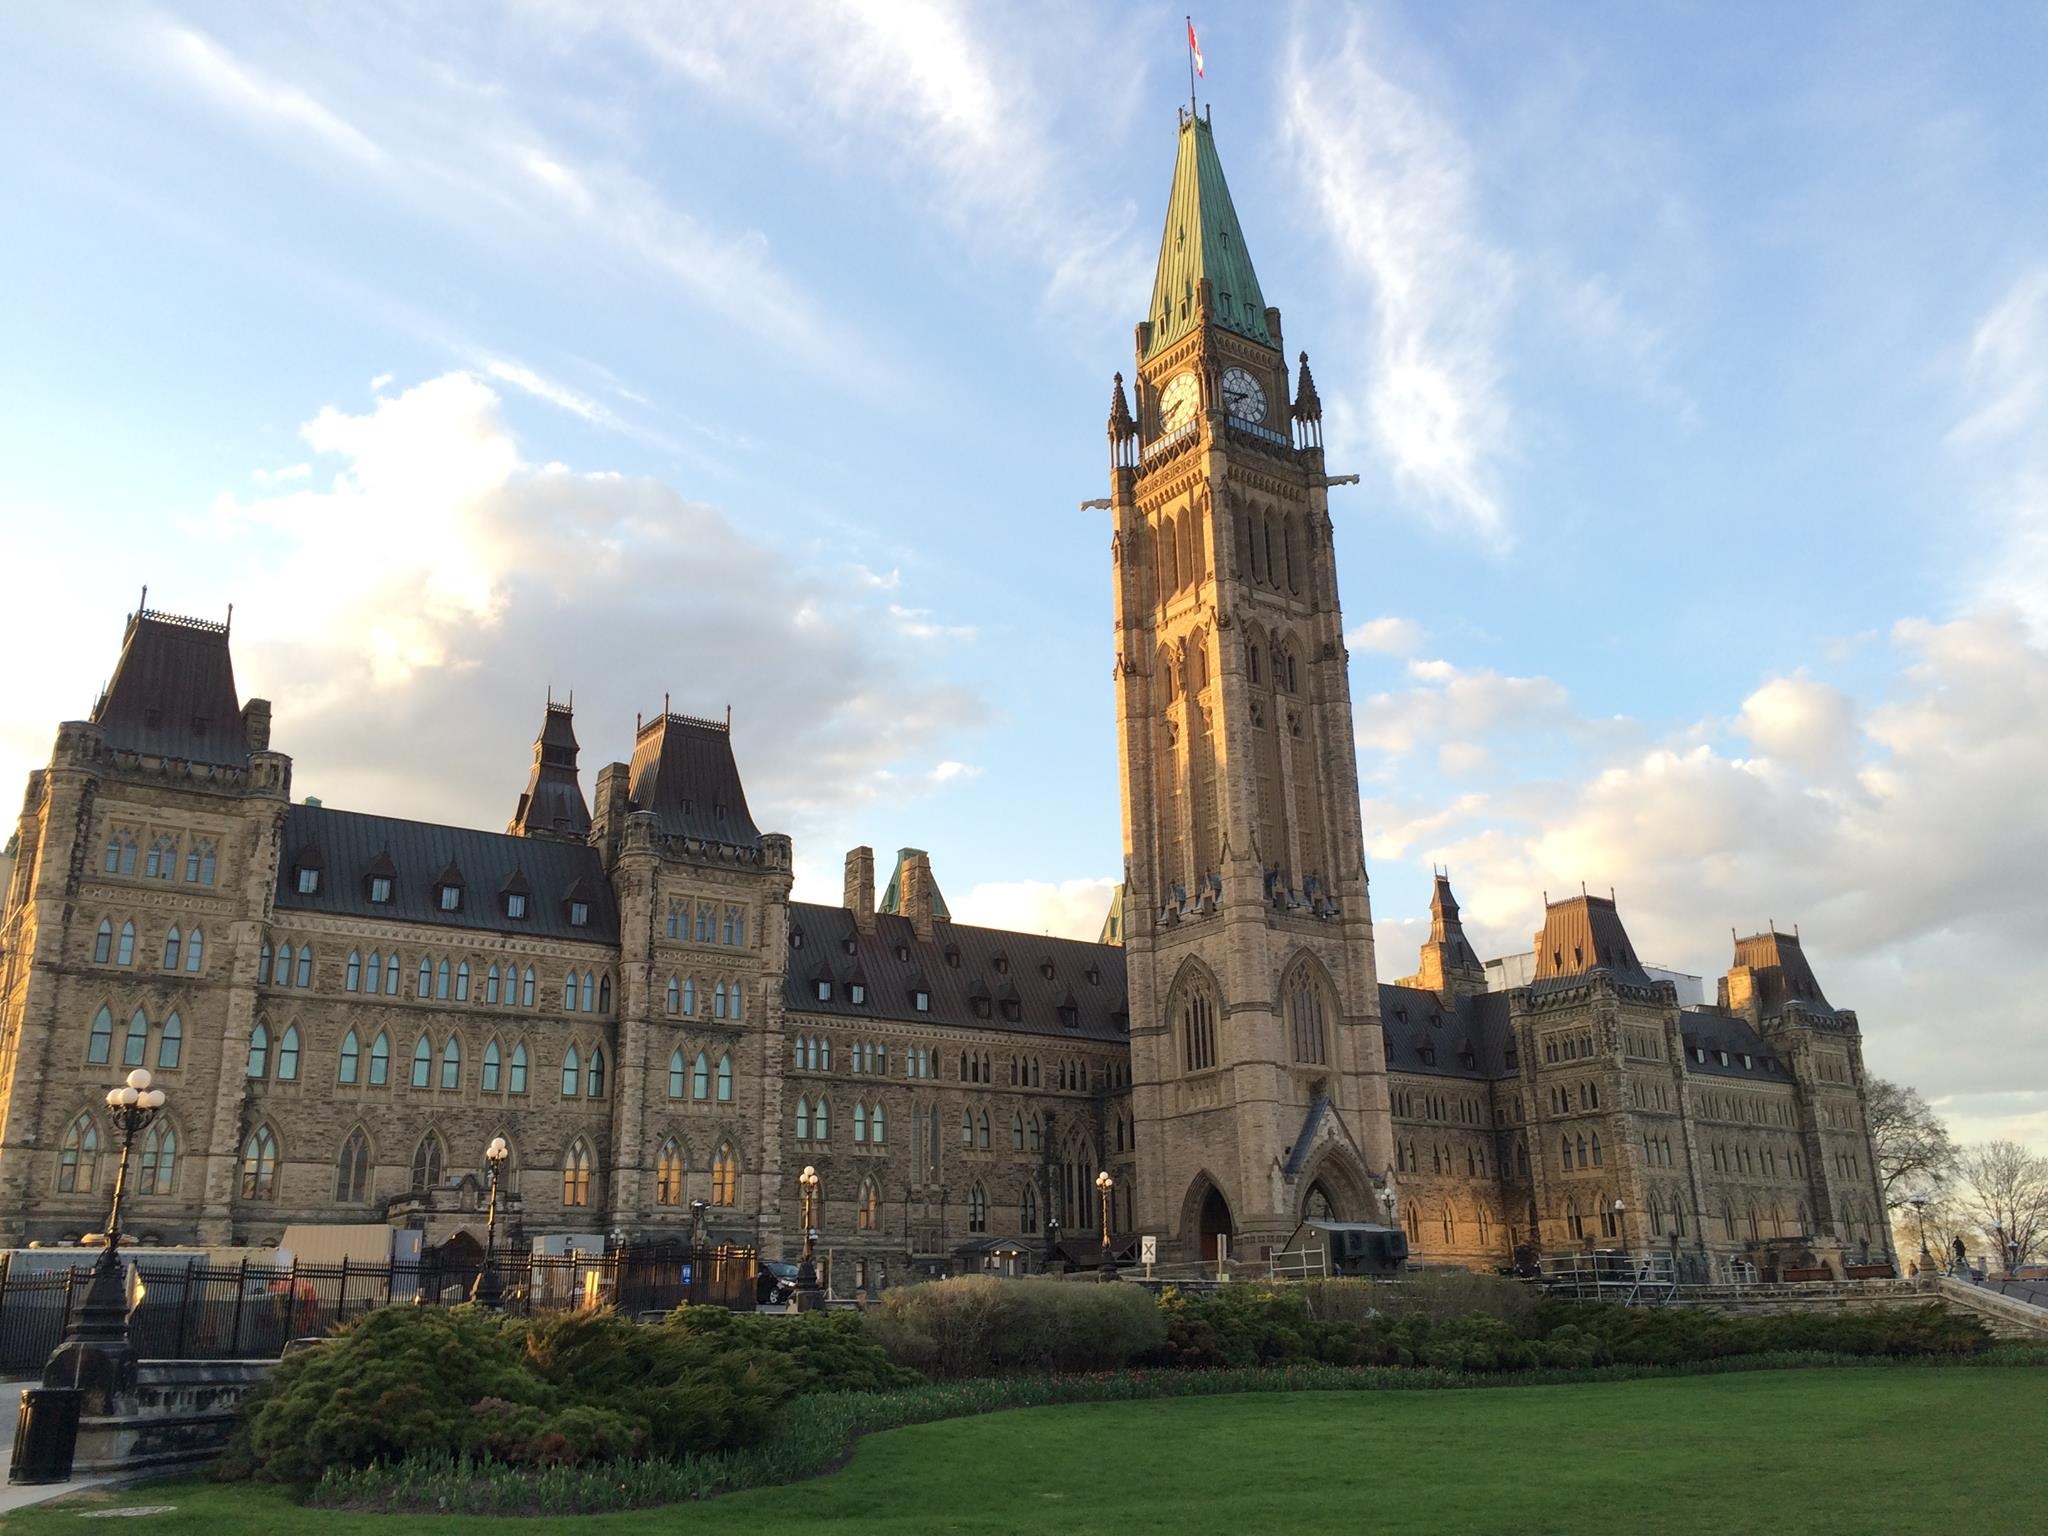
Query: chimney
(256, 724)
(917, 894)
(860, 887)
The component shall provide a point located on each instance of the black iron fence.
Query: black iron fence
(191, 1310)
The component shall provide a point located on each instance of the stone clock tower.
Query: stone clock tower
(1258, 1069)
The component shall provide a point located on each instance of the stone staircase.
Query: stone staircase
(2007, 1317)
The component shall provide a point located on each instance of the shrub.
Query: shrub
(980, 1326)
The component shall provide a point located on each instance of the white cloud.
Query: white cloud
(1808, 724)
(379, 382)
(1393, 184)
(279, 476)
(918, 624)
(2001, 440)
(260, 100)
(1070, 909)
(1386, 636)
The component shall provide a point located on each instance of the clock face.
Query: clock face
(1242, 396)
(1177, 402)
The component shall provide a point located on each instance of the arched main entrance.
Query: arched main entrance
(1316, 1205)
(1214, 1223)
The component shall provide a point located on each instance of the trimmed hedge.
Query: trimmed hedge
(980, 1326)
(569, 1389)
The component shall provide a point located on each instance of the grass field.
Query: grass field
(1815, 1451)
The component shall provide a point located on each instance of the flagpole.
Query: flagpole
(1191, 67)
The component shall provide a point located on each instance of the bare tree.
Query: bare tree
(2003, 1190)
(1913, 1148)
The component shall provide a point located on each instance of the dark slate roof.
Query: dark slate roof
(683, 771)
(173, 693)
(894, 964)
(351, 845)
(553, 802)
(1716, 1034)
(1782, 972)
(1584, 933)
(1414, 1019)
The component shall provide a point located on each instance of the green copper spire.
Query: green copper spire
(1202, 240)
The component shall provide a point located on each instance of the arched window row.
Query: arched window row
(168, 1033)
(183, 953)
(454, 979)
(587, 992)
(78, 1158)
(583, 1072)
(266, 1052)
(708, 922)
(200, 864)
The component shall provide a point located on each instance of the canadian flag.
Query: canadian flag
(1195, 49)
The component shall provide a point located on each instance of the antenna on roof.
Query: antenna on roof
(728, 717)
(551, 695)
(664, 701)
(1610, 893)
(229, 627)
(1582, 887)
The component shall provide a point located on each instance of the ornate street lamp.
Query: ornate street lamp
(1052, 1240)
(1104, 1184)
(1919, 1201)
(807, 1271)
(489, 1289)
(95, 1354)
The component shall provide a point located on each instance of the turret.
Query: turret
(1449, 963)
(552, 804)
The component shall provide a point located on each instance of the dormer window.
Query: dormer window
(309, 882)
(953, 956)
(796, 938)
(856, 992)
(1722, 1057)
(450, 897)
(921, 1001)
(380, 889)
(1094, 975)
(849, 944)
(579, 914)
(1013, 1010)
(1747, 1064)
(515, 904)
(1070, 1017)
(824, 991)
(903, 953)
(1002, 965)
(1045, 969)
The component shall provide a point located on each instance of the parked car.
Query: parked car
(775, 1283)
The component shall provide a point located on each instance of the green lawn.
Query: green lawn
(1829, 1450)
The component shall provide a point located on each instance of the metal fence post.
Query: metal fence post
(341, 1295)
(235, 1333)
(184, 1309)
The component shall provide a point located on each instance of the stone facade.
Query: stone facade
(345, 1008)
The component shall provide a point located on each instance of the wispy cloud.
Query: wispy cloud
(2002, 440)
(1393, 184)
(257, 98)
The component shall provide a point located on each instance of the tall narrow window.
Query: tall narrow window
(441, 981)
(352, 1172)
(596, 1073)
(576, 1173)
(700, 1078)
(604, 994)
(492, 1068)
(668, 1174)
(821, 1122)
(174, 946)
(677, 1071)
(305, 970)
(589, 993)
(426, 1162)
(491, 984)
(374, 975)
(803, 1119)
(451, 1063)
(159, 1159)
(1198, 1033)
(78, 1160)
(725, 1079)
(725, 1177)
(281, 972)
(675, 995)
(136, 1047)
(1305, 1007)
(288, 1054)
(870, 1207)
(718, 1001)
(259, 1165)
(391, 973)
(425, 989)
(103, 943)
(516, 1075)
(351, 1056)
(422, 1062)
(100, 1043)
(526, 988)
(875, 1126)
(977, 1209)
(569, 993)
(572, 1073)
(259, 1051)
(1027, 1210)
(689, 997)
(352, 973)
(124, 952)
(170, 1043)
(462, 982)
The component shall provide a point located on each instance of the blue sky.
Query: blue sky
(1694, 358)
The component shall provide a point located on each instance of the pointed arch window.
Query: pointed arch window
(875, 1126)
(124, 952)
(1037, 1134)
(159, 1160)
(174, 944)
(170, 1043)
(163, 858)
(516, 1073)
(281, 971)
(589, 992)
(725, 1177)
(288, 1054)
(668, 1174)
(426, 1162)
(596, 1074)
(868, 1212)
(352, 973)
(373, 976)
(462, 982)
(1027, 1210)
(380, 1060)
(977, 1209)
(526, 988)
(78, 1160)
(103, 943)
(195, 951)
(803, 1119)
(1305, 1018)
(391, 973)
(491, 984)
(99, 1044)
(604, 994)
(981, 1130)
(700, 1078)
(675, 995)
(725, 1079)
(718, 1001)
(966, 1127)
(259, 1165)
(569, 993)
(451, 1063)
(1596, 1149)
(689, 997)
(352, 1171)
(304, 974)
(422, 1062)
(259, 1051)
(821, 1121)
(677, 1071)
(572, 1073)
(135, 1048)
(493, 1073)
(1017, 1131)
(1198, 1033)
(576, 1173)
(860, 1123)
(351, 1056)
(425, 988)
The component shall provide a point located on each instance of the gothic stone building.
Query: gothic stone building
(345, 1007)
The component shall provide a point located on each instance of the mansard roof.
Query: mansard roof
(1202, 242)
(683, 771)
(1431, 1034)
(1782, 971)
(173, 693)
(1715, 1036)
(552, 804)
(417, 856)
(1584, 933)
(896, 964)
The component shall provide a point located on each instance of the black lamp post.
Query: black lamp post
(807, 1271)
(1052, 1240)
(1104, 1184)
(1918, 1200)
(96, 1356)
(489, 1290)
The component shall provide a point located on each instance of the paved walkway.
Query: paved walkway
(20, 1497)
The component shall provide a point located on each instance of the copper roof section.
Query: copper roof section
(552, 804)
(683, 771)
(173, 692)
(1583, 933)
(1782, 972)
(892, 896)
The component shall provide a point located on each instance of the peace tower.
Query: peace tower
(1257, 1065)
